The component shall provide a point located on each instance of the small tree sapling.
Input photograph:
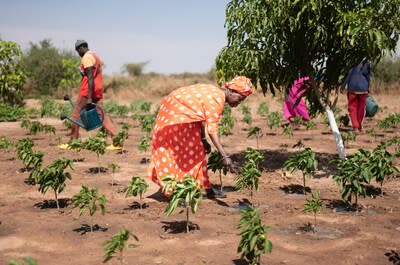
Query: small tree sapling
(118, 243)
(137, 186)
(313, 205)
(215, 163)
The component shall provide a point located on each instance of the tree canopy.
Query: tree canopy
(276, 41)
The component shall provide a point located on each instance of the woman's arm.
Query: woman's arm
(226, 159)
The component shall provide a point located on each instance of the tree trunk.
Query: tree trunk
(335, 132)
(187, 219)
(55, 195)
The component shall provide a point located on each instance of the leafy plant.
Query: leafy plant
(11, 113)
(310, 125)
(23, 146)
(274, 119)
(381, 164)
(97, 145)
(144, 144)
(118, 243)
(54, 177)
(352, 176)
(263, 109)
(215, 163)
(253, 242)
(288, 130)
(371, 132)
(250, 173)
(392, 120)
(88, 199)
(255, 131)
(140, 106)
(137, 186)
(313, 205)
(120, 138)
(246, 111)
(304, 161)
(348, 136)
(226, 122)
(5, 143)
(147, 123)
(186, 192)
(27, 261)
(113, 167)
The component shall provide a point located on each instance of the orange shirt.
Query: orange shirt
(196, 103)
(91, 59)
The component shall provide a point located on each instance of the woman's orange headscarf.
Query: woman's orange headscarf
(241, 85)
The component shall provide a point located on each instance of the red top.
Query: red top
(91, 59)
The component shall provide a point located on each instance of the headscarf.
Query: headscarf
(241, 85)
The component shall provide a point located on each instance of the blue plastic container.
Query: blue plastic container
(90, 119)
(371, 107)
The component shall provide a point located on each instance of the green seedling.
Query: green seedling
(310, 125)
(263, 109)
(287, 130)
(255, 131)
(144, 144)
(381, 164)
(89, 199)
(274, 119)
(246, 111)
(137, 186)
(253, 242)
(118, 243)
(5, 143)
(348, 136)
(53, 176)
(147, 123)
(304, 161)
(186, 192)
(97, 145)
(113, 167)
(313, 205)
(215, 163)
(26, 261)
(120, 138)
(226, 122)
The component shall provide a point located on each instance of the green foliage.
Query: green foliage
(263, 109)
(5, 143)
(274, 119)
(95, 144)
(144, 143)
(140, 106)
(274, 42)
(24, 145)
(381, 164)
(147, 123)
(50, 108)
(246, 111)
(118, 243)
(137, 186)
(227, 121)
(70, 74)
(28, 156)
(43, 64)
(287, 130)
(120, 138)
(253, 241)
(75, 144)
(11, 113)
(348, 136)
(387, 71)
(186, 192)
(304, 161)
(313, 205)
(395, 141)
(392, 120)
(12, 77)
(310, 125)
(27, 261)
(53, 176)
(89, 199)
(215, 163)
(255, 131)
(113, 167)
(250, 173)
(134, 69)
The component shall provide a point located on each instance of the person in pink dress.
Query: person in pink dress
(290, 110)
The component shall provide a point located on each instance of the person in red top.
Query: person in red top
(179, 143)
(91, 89)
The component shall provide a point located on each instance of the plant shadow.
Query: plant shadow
(136, 206)
(393, 257)
(239, 262)
(294, 189)
(51, 204)
(76, 160)
(30, 181)
(144, 160)
(122, 152)
(372, 191)
(340, 206)
(96, 170)
(85, 228)
(177, 227)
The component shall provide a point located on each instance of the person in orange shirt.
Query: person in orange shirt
(91, 89)
(179, 144)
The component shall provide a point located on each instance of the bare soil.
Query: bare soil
(30, 225)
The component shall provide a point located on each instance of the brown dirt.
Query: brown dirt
(29, 227)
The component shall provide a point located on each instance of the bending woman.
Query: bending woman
(179, 145)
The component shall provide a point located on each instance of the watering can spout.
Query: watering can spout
(78, 122)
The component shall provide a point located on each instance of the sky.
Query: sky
(174, 36)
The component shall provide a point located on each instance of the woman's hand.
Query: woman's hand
(227, 161)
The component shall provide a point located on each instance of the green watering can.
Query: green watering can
(91, 116)
(371, 107)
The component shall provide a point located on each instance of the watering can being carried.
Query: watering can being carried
(91, 116)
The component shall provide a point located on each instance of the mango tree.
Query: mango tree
(253, 240)
(118, 243)
(274, 42)
(304, 161)
(88, 199)
(54, 177)
(137, 186)
(215, 163)
(186, 192)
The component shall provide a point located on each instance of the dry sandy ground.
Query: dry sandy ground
(29, 227)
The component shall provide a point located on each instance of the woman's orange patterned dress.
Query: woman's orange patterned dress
(177, 149)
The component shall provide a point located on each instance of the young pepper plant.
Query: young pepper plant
(215, 163)
(137, 186)
(304, 161)
(88, 199)
(253, 241)
(113, 167)
(53, 176)
(118, 243)
(186, 192)
(313, 205)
